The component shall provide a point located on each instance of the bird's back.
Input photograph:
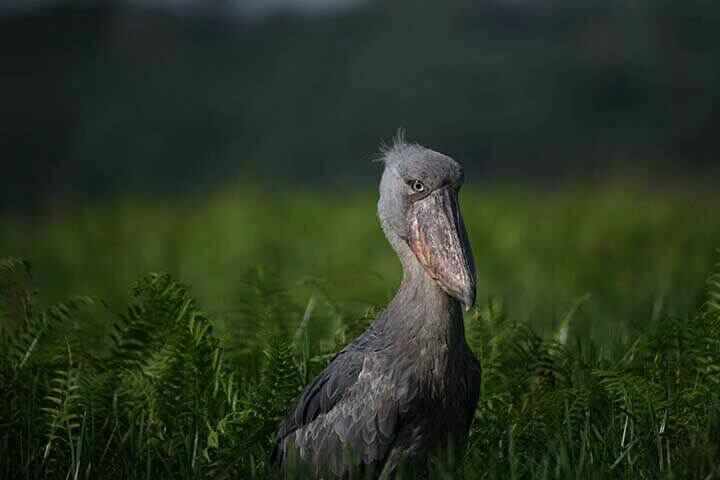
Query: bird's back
(379, 403)
(343, 423)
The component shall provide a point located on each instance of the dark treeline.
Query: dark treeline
(98, 100)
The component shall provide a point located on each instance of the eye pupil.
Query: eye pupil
(418, 186)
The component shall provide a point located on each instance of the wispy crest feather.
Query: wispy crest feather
(398, 146)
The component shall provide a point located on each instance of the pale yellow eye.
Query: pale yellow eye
(417, 186)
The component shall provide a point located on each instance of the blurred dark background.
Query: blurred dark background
(172, 96)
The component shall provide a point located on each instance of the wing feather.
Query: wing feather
(346, 419)
(320, 396)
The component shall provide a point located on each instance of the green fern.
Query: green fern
(169, 399)
(64, 419)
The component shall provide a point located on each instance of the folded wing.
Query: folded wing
(344, 422)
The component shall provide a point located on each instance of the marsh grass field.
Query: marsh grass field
(148, 339)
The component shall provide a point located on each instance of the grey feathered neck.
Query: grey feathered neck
(420, 308)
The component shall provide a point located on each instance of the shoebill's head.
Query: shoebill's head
(420, 215)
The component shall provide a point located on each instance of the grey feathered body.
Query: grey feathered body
(405, 388)
(408, 386)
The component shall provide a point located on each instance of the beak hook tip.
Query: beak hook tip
(468, 302)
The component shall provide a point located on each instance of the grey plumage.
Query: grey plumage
(408, 386)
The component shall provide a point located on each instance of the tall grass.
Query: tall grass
(634, 250)
(598, 333)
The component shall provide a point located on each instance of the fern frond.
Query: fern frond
(16, 300)
(713, 287)
(14, 265)
(24, 341)
(157, 309)
(64, 417)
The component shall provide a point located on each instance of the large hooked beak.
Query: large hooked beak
(439, 240)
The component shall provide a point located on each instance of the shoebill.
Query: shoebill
(407, 387)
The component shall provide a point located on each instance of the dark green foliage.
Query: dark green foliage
(554, 410)
(162, 402)
(168, 398)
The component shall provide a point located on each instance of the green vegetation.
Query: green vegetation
(598, 329)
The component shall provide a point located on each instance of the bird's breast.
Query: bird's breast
(426, 372)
